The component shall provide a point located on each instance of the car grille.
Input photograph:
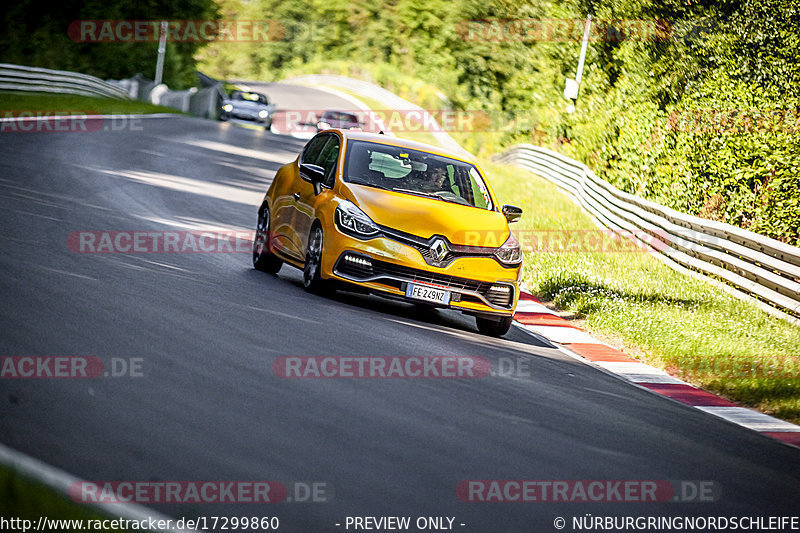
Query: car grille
(423, 246)
(362, 268)
(415, 275)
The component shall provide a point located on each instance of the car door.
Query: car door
(289, 239)
(305, 205)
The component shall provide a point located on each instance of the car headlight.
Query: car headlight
(263, 113)
(227, 107)
(353, 221)
(510, 253)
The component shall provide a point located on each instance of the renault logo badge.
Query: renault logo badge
(439, 249)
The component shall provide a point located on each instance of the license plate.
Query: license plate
(429, 294)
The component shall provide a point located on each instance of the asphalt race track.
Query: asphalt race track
(203, 331)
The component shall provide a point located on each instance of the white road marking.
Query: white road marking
(528, 306)
(750, 419)
(563, 335)
(638, 372)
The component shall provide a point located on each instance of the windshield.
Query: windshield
(250, 97)
(415, 172)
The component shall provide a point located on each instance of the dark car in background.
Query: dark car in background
(250, 106)
(339, 120)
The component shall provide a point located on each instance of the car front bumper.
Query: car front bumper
(477, 285)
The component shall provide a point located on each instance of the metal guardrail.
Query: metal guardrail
(42, 80)
(751, 265)
(202, 102)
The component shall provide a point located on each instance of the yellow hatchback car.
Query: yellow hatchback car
(372, 213)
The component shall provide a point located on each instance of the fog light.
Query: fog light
(499, 295)
(356, 266)
(358, 260)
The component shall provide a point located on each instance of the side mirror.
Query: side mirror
(312, 173)
(511, 212)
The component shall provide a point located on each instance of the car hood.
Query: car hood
(426, 217)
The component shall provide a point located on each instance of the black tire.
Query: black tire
(312, 281)
(268, 124)
(263, 259)
(494, 328)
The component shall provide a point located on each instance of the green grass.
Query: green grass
(692, 329)
(15, 103)
(25, 499)
(688, 327)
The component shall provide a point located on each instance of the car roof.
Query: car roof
(340, 112)
(403, 143)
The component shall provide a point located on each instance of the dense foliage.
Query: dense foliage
(38, 34)
(700, 114)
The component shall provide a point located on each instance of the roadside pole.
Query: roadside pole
(162, 48)
(572, 85)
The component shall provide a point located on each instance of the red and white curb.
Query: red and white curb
(537, 318)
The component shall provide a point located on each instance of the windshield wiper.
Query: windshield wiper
(368, 184)
(453, 199)
(419, 193)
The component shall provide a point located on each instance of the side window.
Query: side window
(313, 148)
(328, 158)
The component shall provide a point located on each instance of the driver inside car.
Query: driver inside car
(432, 180)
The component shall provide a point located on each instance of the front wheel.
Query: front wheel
(263, 259)
(494, 328)
(312, 280)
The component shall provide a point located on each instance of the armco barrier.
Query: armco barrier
(751, 265)
(42, 80)
(203, 102)
(162, 95)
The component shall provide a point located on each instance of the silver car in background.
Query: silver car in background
(249, 106)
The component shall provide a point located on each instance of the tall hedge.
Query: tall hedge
(701, 116)
(36, 33)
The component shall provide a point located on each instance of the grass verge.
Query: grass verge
(628, 298)
(28, 500)
(690, 328)
(15, 103)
